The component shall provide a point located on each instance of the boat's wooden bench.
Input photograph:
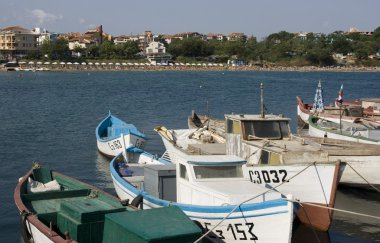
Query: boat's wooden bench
(55, 194)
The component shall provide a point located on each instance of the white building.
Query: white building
(156, 53)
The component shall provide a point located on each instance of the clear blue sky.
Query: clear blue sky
(258, 18)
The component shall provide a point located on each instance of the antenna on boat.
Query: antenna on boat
(262, 100)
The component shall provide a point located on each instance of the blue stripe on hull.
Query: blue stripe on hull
(128, 188)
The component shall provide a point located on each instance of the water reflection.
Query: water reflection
(103, 176)
(303, 233)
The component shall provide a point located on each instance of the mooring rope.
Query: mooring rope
(375, 188)
(334, 209)
(247, 200)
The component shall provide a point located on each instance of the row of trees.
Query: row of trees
(282, 48)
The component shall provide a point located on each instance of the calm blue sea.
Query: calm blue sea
(51, 117)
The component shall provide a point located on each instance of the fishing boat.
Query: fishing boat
(359, 160)
(361, 131)
(347, 111)
(313, 183)
(210, 190)
(113, 134)
(57, 208)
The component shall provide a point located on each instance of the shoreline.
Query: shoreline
(74, 68)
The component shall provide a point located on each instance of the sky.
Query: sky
(257, 18)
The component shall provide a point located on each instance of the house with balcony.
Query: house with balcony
(156, 53)
(17, 42)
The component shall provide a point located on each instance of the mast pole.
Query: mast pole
(262, 100)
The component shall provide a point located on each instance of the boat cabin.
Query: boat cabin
(242, 129)
(213, 181)
(251, 127)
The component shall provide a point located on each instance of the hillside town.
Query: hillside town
(93, 48)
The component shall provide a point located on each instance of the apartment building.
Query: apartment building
(17, 42)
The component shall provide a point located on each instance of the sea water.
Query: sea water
(50, 117)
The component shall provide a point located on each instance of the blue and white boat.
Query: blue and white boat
(209, 189)
(113, 134)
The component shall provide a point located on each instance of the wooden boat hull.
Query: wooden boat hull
(33, 227)
(248, 223)
(110, 142)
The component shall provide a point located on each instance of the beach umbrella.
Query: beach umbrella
(199, 64)
(46, 63)
(220, 64)
(54, 63)
(90, 63)
(103, 63)
(39, 63)
(110, 63)
(22, 63)
(124, 64)
(117, 64)
(204, 64)
(171, 64)
(97, 64)
(30, 62)
(136, 64)
(69, 63)
(84, 64)
(76, 63)
(187, 64)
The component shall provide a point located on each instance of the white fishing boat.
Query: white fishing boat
(361, 131)
(211, 190)
(113, 134)
(311, 183)
(347, 111)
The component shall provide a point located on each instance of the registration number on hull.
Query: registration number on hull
(237, 231)
(268, 176)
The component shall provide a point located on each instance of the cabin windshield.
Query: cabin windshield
(266, 129)
(212, 171)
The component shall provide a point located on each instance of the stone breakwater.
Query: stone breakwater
(191, 68)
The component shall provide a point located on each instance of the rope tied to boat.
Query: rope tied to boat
(334, 209)
(249, 199)
(375, 188)
(25, 226)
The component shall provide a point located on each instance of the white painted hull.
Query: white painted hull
(314, 184)
(302, 115)
(315, 132)
(242, 226)
(36, 234)
(366, 166)
(113, 147)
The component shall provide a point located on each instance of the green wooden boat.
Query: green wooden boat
(67, 210)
